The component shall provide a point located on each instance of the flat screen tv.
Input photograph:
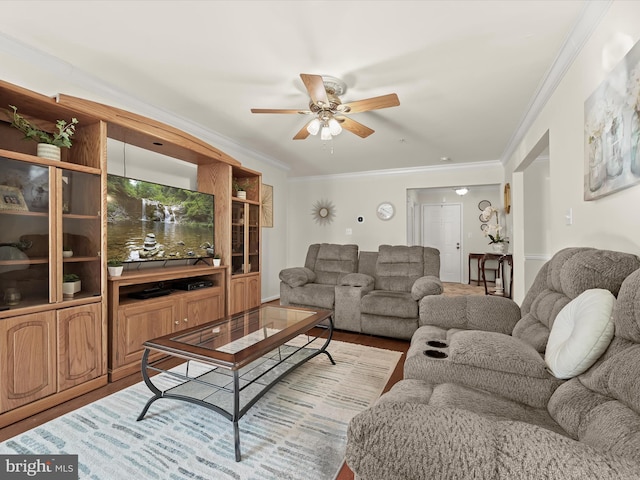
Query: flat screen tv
(150, 222)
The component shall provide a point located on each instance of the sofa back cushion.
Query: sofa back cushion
(330, 262)
(398, 267)
(570, 272)
(601, 407)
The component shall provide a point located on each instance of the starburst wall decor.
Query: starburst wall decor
(323, 212)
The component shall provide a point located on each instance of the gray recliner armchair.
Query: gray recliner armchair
(383, 297)
(313, 285)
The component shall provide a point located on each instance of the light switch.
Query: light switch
(569, 217)
(349, 231)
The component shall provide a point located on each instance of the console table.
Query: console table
(501, 259)
(477, 258)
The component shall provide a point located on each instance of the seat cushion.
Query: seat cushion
(390, 304)
(312, 295)
(581, 332)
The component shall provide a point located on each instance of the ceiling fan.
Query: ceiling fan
(330, 114)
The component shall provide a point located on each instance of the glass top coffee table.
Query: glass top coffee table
(238, 359)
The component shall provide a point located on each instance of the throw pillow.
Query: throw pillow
(581, 332)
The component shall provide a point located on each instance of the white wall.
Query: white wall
(609, 222)
(355, 195)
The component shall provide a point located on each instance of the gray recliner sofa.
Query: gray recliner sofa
(377, 293)
(588, 427)
(314, 284)
(512, 365)
(383, 297)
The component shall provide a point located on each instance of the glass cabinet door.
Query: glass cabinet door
(81, 233)
(237, 238)
(25, 272)
(254, 239)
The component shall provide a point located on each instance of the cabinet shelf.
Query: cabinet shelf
(23, 213)
(46, 162)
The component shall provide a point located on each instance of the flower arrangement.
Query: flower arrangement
(60, 138)
(493, 230)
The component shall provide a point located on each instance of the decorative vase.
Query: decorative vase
(69, 289)
(51, 152)
(597, 168)
(241, 194)
(635, 143)
(499, 247)
(613, 147)
(217, 262)
(115, 271)
(12, 296)
(67, 253)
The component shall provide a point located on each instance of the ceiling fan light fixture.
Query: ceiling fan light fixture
(314, 126)
(334, 127)
(325, 133)
(462, 191)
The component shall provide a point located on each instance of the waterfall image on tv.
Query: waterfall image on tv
(148, 221)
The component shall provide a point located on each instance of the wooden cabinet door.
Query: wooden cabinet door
(28, 359)
(142, 321)
(79, 345)
(201, 306)
(238, 295)
(253, 291)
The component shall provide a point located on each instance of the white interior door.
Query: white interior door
(441, 229)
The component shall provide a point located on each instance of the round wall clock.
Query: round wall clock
(507, 198)
(385, 211)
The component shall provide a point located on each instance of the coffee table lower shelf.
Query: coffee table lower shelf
(231, 393)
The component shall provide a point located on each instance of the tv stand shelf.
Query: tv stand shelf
(132, 321)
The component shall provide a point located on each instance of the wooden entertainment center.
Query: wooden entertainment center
(54, 347)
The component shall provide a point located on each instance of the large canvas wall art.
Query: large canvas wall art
(612, 130)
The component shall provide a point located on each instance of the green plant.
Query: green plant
(60, 138)
(70, 277)
(217, 256)
(240, 185)
(114, 263)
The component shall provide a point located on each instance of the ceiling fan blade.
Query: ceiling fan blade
(375, 103)
(303, 133)
(315, 87)
(279, 110)
(355, 127)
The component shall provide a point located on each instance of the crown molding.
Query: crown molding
(104, 90)
(399, 171)
(590, 17)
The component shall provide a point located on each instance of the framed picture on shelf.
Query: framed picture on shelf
(11, 198)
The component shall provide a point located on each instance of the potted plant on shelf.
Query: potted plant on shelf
(70, 284)
(67, 252)
(115, 267)
(217, 260)
(49, 143)
(240, 187)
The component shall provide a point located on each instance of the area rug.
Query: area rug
(296, 431)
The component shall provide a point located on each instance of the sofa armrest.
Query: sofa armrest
(470, 312)
(404, 441)
(297, 276)
(358, 280)
(427, 285)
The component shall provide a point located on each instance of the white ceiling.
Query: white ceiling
(466, 72)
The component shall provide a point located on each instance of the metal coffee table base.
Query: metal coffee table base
(220, 389)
